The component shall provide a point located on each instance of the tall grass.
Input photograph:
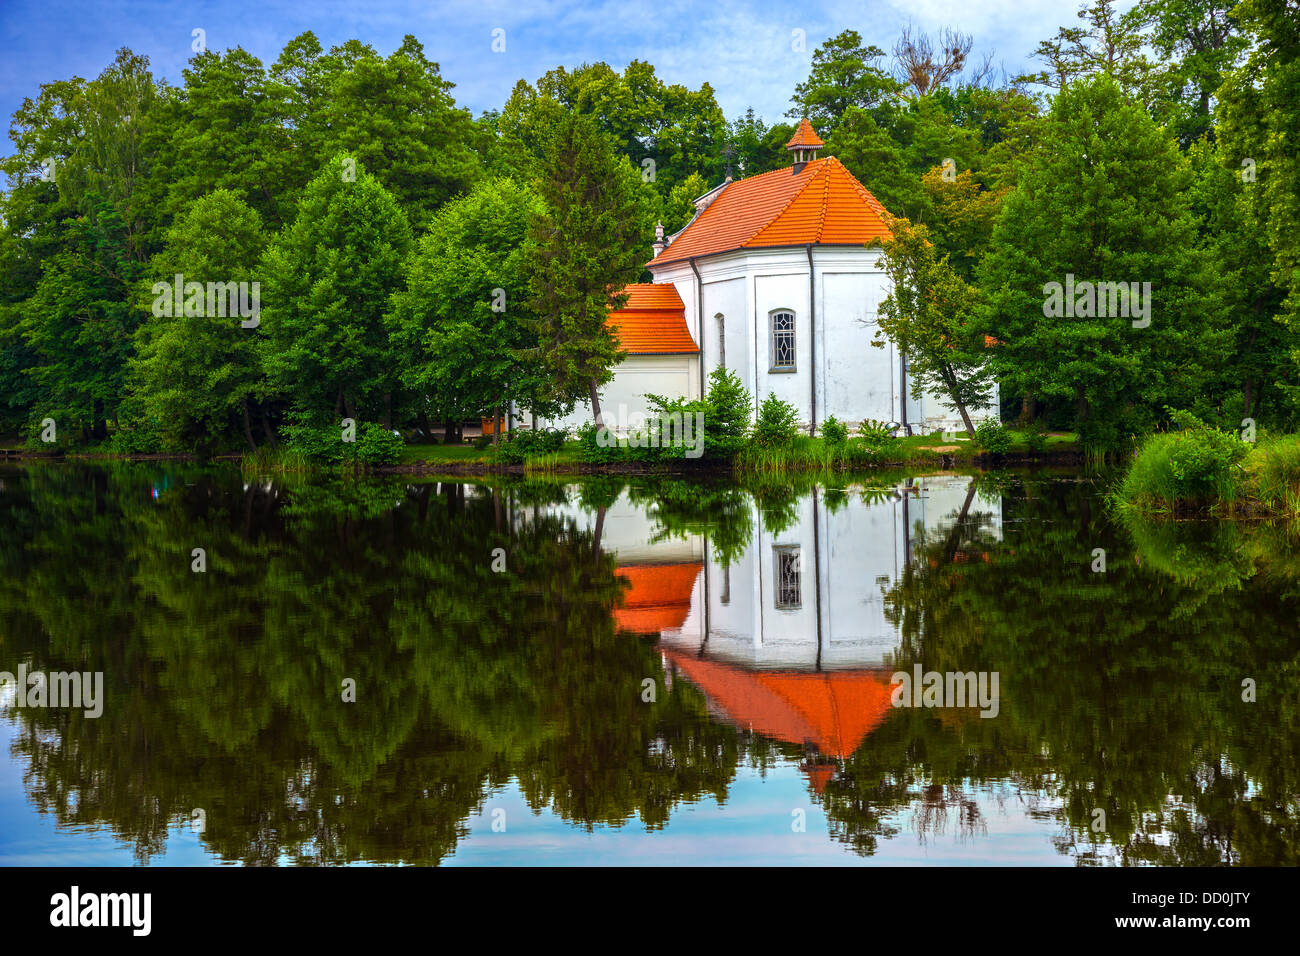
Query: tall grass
(1211, 471)
(1273, 470)
(282, 461)
(807, 455)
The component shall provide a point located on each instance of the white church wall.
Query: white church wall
(623, 402)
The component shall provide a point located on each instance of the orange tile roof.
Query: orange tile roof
(653, 321)
(822, 204)
(659, 598)
(805, 136)
(834, 710)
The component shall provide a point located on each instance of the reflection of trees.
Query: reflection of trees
(1129, 681)
(224, 688)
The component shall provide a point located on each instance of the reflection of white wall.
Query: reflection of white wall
(848, 557)
(630, 532)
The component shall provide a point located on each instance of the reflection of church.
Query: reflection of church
(791, 639)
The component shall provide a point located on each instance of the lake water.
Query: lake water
(638, 672)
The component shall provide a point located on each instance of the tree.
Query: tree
(1260, 113)
(1202, 42)
(459, 324)
(1110, 42)
(328, 278)
(844, 74)
(1102, 201)
(928, 316)
(591, 239)
(193, 374)
(667, 131)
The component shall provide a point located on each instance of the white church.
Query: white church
(777, 278)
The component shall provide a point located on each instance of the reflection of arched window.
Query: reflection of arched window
(722, 341)
(782, 322)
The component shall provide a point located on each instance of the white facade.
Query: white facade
(837, 370)
(728, 310)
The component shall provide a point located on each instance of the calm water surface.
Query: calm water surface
(645, 672)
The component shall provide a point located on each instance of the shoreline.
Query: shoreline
(980, 460)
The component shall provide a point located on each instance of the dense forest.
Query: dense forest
(417, 266)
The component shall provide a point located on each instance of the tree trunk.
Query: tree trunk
(965, 417)
(338, 404)
(269, 431)
(449, 432)
(426, 429)
(1247, 396)
(99, 428)
(595, 406)
(248, 426)
(496, 425)
(388, 411)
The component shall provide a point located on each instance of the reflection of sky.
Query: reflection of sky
(28, 838)
(752, 828)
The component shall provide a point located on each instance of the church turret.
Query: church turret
(804, 145)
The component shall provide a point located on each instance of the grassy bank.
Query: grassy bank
(1204, 470)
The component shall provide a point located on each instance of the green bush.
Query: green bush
(373, 444)
(1193, 466)
(834, 431)
(876, 434)
(991, 437)
(1036, 438)
(526, 443)
(777, 425)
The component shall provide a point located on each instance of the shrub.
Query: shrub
(1036, 437)
(373, 445)
(591, 451)
(1187, 467)
(834, 431)
(992, 437)
(876, 434)
(777, 423)
(482, 442)
(526, 443)
(727, 410)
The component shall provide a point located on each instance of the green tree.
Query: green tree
(928, 315)
(194, 374)
(458, 326)
(328, 278)
(1102, 198)
(1259, 115)
(590, 240)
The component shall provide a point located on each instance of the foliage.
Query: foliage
(834, 431)
(992, 437)
(778, 423)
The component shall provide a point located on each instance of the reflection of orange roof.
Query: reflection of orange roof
(653, 321)
(805, 136)
(659, 598)
(833, 710)
(820, 204)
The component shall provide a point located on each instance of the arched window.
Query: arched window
(782, 321)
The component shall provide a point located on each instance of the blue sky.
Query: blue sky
(743, 48)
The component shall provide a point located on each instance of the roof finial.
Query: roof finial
(659, 245)
(804, 145)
